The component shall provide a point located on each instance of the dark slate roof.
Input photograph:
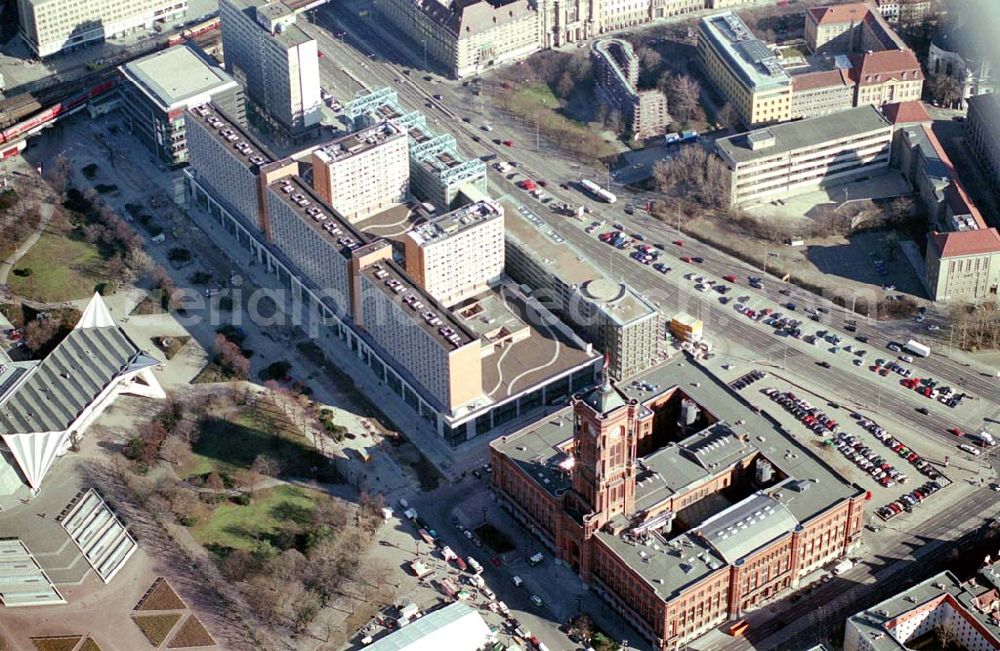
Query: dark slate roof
(68, 379)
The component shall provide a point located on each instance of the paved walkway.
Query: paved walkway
(8, 264)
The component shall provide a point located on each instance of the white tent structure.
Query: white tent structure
(457, 627)
(45, 404)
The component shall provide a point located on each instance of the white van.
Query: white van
(535, 559)
(517, 581)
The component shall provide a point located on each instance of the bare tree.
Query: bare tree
(683, 96)
(176, 450)
(944, 89)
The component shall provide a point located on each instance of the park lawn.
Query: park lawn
(63, 266)
(537, 100)
(242, 527)
(226, 446)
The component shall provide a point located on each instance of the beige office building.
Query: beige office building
(787, 159)
(365, 172)
(51, 26)
(964, 266)
(457, 255)
(467, 37)
(744, 70)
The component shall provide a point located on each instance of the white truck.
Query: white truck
(984, 439)
(917, 348)
(474, 565)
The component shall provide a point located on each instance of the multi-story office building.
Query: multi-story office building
(964, 266)
(463, 372)
(52, 26)
(619, 14)
(467, 37)
(159, 88)
(610, 315)
(744, 70)
(821, 92)
(983, 136)
(617, 87)
(438, 171)
(625, 486)
(906, 12)
(787, 159)
(960, 50)
(276, 61)
(567, 22)
(457, 255)
(886, 77)
(365, 172)
(855, 27)
(966, 612)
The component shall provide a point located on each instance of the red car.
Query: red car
(686, 258)
(320, 54)
(508, 143)
(956, 431)
(679, 242)
(730, 278)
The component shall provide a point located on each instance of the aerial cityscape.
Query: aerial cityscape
(499, 325)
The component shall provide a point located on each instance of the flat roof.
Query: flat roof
(423, 310)
(550, 348)
(618, 300)
(791, 136)
(317, 214)
(747, 56)
(747, 526)
(244, 147)
(457, 627)
(358, 142)
(23, 582)
(455, 222)
(176, 76)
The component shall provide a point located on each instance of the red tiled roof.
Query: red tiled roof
(878, 67)
(855, 12)
(956, 195)
(905, 112)
(959, 243)
(819, 79)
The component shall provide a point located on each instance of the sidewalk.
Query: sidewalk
(8, 264)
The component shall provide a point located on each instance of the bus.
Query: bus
(597, 191)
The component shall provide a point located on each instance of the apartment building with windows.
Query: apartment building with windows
(159, 88)
(229, 161)
(609, 314)
(744, 70)
(275, 60)
(618, 87)
(52, 26)
(467, 37)
(886, 77)
(787, 159)
(619, 14)
(457, 255)
(366, 312)
(365, 172)
(967, 612)
(905, 12)
(982, 135)
(625, 486)
(439, 173)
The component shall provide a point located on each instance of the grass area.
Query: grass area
(173, 345)
(213, 372)
(495, 539)
(243, 527)
(56, 643)
(192, 633)
(228, 445)
(161, 597)
(156, 628)
(536, 101)
(63, 266)
(90, 645)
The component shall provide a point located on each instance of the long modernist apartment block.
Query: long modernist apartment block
(787, 159)
(438, 171)
(605, 312)
(673, 499)
(489, 358)
(365, 172)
